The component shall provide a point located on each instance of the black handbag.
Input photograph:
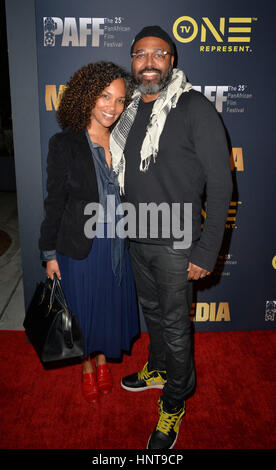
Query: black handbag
(50, 326)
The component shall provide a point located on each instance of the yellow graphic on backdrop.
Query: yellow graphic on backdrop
(236, 159)
(52, 98)
(232, 214)
(224, 32)
(215, 312)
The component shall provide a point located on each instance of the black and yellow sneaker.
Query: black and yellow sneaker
(144, 380)
(166, 431)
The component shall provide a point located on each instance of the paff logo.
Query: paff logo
(76, 32)
(223, 32)
(216, 94)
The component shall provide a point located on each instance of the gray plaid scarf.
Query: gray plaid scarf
(166, 100)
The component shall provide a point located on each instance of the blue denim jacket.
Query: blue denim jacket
(107, 185)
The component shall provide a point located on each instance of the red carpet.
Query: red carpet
(233, 406)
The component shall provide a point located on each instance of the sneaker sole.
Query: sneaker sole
(140, 389)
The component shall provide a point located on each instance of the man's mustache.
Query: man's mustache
(149, 69)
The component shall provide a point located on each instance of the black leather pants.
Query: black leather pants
(166, 297)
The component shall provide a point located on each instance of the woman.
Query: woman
(95, 272)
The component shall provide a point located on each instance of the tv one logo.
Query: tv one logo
(230, 30)
(75, 32)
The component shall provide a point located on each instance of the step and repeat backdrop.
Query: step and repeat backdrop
(226, 50)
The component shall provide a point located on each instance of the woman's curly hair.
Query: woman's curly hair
(83, 89)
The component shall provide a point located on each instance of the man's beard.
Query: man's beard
(152, 89)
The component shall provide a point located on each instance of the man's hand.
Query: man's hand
(51, 268)
(195, 272)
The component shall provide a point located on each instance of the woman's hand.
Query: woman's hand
(51, 268)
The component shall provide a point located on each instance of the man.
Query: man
(169, 147)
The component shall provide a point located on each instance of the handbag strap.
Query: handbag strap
(53, 291)
(57, 293)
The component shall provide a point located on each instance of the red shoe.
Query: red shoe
(104, 379)
(90, 387)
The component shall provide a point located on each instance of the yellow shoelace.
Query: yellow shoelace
(167, 420)
(144, 374)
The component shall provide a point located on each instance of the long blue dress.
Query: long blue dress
(104, 303)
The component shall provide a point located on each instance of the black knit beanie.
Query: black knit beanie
(154, 31)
